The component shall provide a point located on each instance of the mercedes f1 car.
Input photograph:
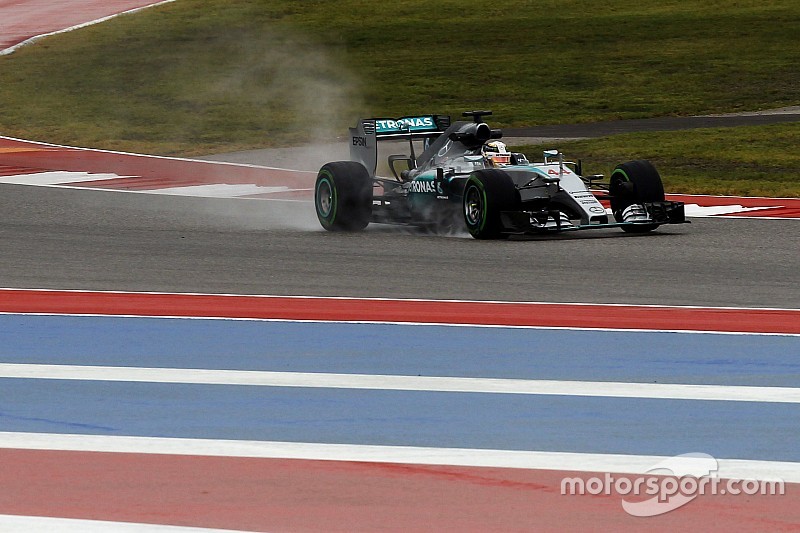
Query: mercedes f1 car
(465, 175)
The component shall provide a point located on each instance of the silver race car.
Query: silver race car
(465, 176)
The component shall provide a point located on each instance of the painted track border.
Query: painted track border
(452, 312)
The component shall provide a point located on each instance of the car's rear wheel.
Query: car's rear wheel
(635, 182)
(343, 196)
(486, 194)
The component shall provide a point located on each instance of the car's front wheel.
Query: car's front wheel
(486, 194)
(634, 182)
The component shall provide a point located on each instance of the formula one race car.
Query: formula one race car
(465, 173)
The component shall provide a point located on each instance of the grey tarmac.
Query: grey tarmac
(100, 240)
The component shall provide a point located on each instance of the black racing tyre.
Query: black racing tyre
(635, 182)
(343, 196)
(486, 194)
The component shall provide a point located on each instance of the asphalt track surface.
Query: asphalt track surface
(614, 127)
(100, 240)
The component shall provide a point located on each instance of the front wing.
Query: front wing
(665, 212)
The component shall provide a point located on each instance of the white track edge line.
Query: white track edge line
(382, 382)
(164, 157)
(27, 524)
(468, 457)
(155, 191)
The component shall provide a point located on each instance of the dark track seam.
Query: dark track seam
(615, 127)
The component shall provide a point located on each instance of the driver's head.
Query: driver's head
(496, 153)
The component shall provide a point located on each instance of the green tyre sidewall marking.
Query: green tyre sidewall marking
(329, 220)
(625, 179)
(479, 184)
(485, 211)
(620, 171)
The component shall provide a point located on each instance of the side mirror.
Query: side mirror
(518, 158)
(553, 154)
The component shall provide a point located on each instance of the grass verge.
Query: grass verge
(747, 161)
(203, 76)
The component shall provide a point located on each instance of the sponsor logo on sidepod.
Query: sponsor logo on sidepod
(422, 186)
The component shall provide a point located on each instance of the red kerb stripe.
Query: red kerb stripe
(450, 312)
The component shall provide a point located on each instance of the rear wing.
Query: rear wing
(365, 136)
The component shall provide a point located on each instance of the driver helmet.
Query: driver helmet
(496, 153)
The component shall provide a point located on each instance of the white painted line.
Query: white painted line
(106, 190)
(203, 162)
(36, 524)
(754, 217)
(532, 460)
(723, 211)
(731, 196)
(35, 38)
(698, 211)
(196, 376)
(57, 178)
(214, 190)
(220, 190)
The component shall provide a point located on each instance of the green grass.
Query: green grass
(749, 161)
(203, 76)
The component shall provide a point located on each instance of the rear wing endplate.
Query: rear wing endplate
(365, 136)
